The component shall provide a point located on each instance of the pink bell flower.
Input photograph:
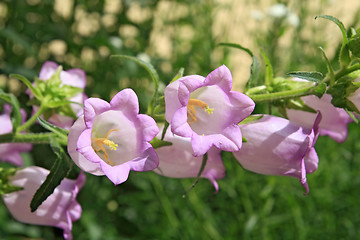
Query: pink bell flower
(276, 146)
(60, 209)
(112, 138)
(334, 120)
(207, 111)
(177, 160)
(10, 152)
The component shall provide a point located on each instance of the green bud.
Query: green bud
(5, 186)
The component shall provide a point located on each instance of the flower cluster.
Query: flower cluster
(200, 118)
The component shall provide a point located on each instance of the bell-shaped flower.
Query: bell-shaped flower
(60, 209)
(177, 160)
(10, 152)
(73, 78)
(112, 138)
(334, 120)
(276, 146)
(207, 111)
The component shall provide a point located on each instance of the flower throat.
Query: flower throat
(99, 145)
(191, 112)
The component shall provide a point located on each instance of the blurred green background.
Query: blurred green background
(174, 34)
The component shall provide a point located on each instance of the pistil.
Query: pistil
(191, 109)
(99, 145)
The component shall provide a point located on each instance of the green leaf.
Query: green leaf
(35, 91)
(310, 76)
(202, 167)
(156, 143)
(254, 72)
(344, 51)
(238, 46)
(255, 65)
(329, 67)
(354, 45)
(352, 116)
(166, 125)
(5, 173)
(16, 117)
(251, 118)
(154, 76)
(58, 172)
(52, 128)
(337, 22)
(319, 90)
(269, 75)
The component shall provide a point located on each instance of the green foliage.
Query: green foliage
(5, 174)
(154, 77)
(344, 51)
(148, 206)
(59, 170)
(310, 76)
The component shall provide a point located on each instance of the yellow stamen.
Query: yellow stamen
(191, 109)
(99, 145)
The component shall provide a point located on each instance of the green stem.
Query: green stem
(258, 98)
(37, 138)
(346, 71)
(31, 120)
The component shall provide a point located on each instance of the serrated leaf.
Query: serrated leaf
(238, 46)
(36, 93)
(344, 51)
(52, 128)
(154, 76)
(16, 117)
(58, 172)
(310, 76)
(337, 22)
